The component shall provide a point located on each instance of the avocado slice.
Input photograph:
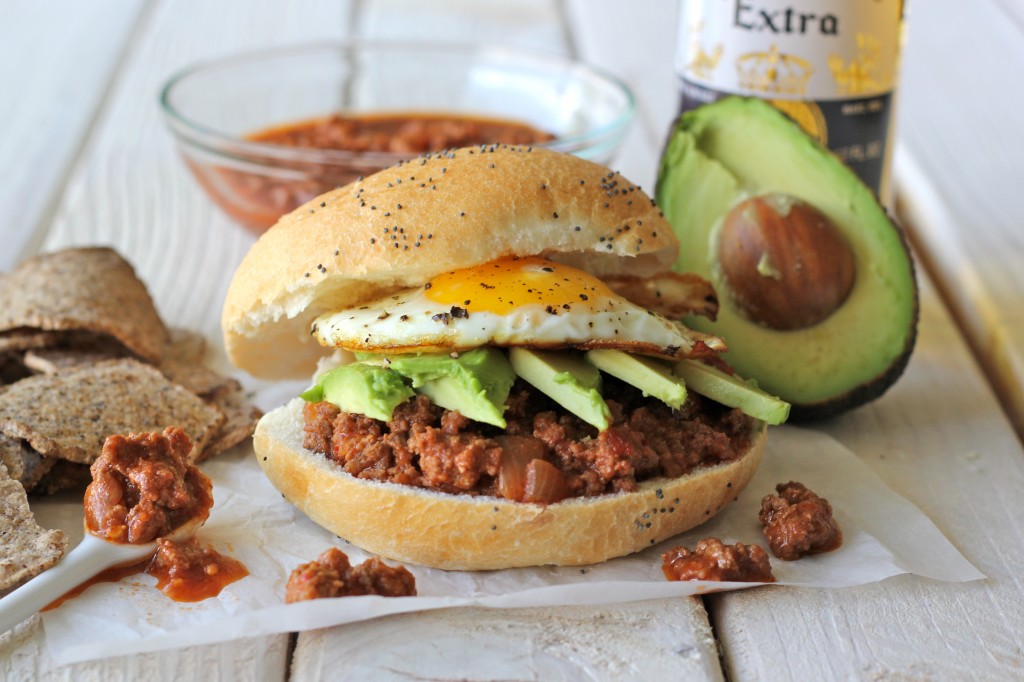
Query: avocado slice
(475, 383)
(652, 377)
(818, 298)
(565, 378)
(363, 389)
(732, 391)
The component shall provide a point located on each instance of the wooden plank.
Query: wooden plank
(959, 118)
(668, 639)
(58, 58)
(939, 439)
(23, 656)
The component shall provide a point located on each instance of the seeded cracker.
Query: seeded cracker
(26, 550)
(185, 346)
(69, 414)
(241, 417)
(24, 464)
(91, 289)
(53, 360)
(11, 368)
(63, 475)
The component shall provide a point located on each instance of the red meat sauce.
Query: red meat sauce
(331, 575)
(797, 522)
(143, 488)
(543, 455)
(714, 560)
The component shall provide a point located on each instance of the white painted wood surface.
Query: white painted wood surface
(938, 438)
(51, 95)
(962, 124)
(666, 640)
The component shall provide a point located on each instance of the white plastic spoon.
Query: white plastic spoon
(92, 556)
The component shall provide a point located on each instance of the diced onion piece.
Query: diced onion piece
(545, 483)
(517, 453)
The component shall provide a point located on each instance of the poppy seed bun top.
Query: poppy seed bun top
(402, 226)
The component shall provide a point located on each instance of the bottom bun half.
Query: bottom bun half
(463, 532)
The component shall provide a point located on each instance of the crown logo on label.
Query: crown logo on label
(703, 63)
(860, 76)
(774, 72)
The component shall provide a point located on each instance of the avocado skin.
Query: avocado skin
(858, 395)
(727, 117)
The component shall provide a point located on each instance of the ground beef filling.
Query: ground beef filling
(798, 522)
(331, 575)
(714, 560)
(427, 446)
(143, 487)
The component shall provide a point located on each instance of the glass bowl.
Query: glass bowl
(213, 108)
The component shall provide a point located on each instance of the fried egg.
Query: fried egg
(531, 302)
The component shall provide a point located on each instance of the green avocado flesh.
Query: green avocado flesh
(476, 383)
(567, 379)
(732, 391)
(364, 389)
(724, 153)
(651, 376)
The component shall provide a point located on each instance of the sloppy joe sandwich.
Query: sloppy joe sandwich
(501, 377)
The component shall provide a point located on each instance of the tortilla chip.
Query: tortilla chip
(185, 346)
(12, 368)
(198, 379)
(62, 475)
(68, 415)
(241, 417)
(53, 360)
(92, 289)
(26, 550)
(24, 464)
(10, 457)
(26, 339)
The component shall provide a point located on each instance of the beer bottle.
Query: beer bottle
(831, 65)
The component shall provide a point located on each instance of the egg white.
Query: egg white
(416, 321)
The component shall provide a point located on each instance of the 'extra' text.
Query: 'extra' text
(753, 18)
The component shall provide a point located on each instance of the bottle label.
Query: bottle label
(831, 65)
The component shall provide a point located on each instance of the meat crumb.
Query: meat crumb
(143, 487)
(798, 522)
(331, 575)
(714, 560)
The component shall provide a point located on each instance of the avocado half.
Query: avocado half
(817, 294)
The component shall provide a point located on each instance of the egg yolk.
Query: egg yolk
(507, 284)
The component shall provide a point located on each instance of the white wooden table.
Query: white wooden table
(84, 159)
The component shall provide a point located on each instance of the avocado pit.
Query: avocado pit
(785, 264)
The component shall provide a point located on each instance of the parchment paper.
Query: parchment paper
(883, 535)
